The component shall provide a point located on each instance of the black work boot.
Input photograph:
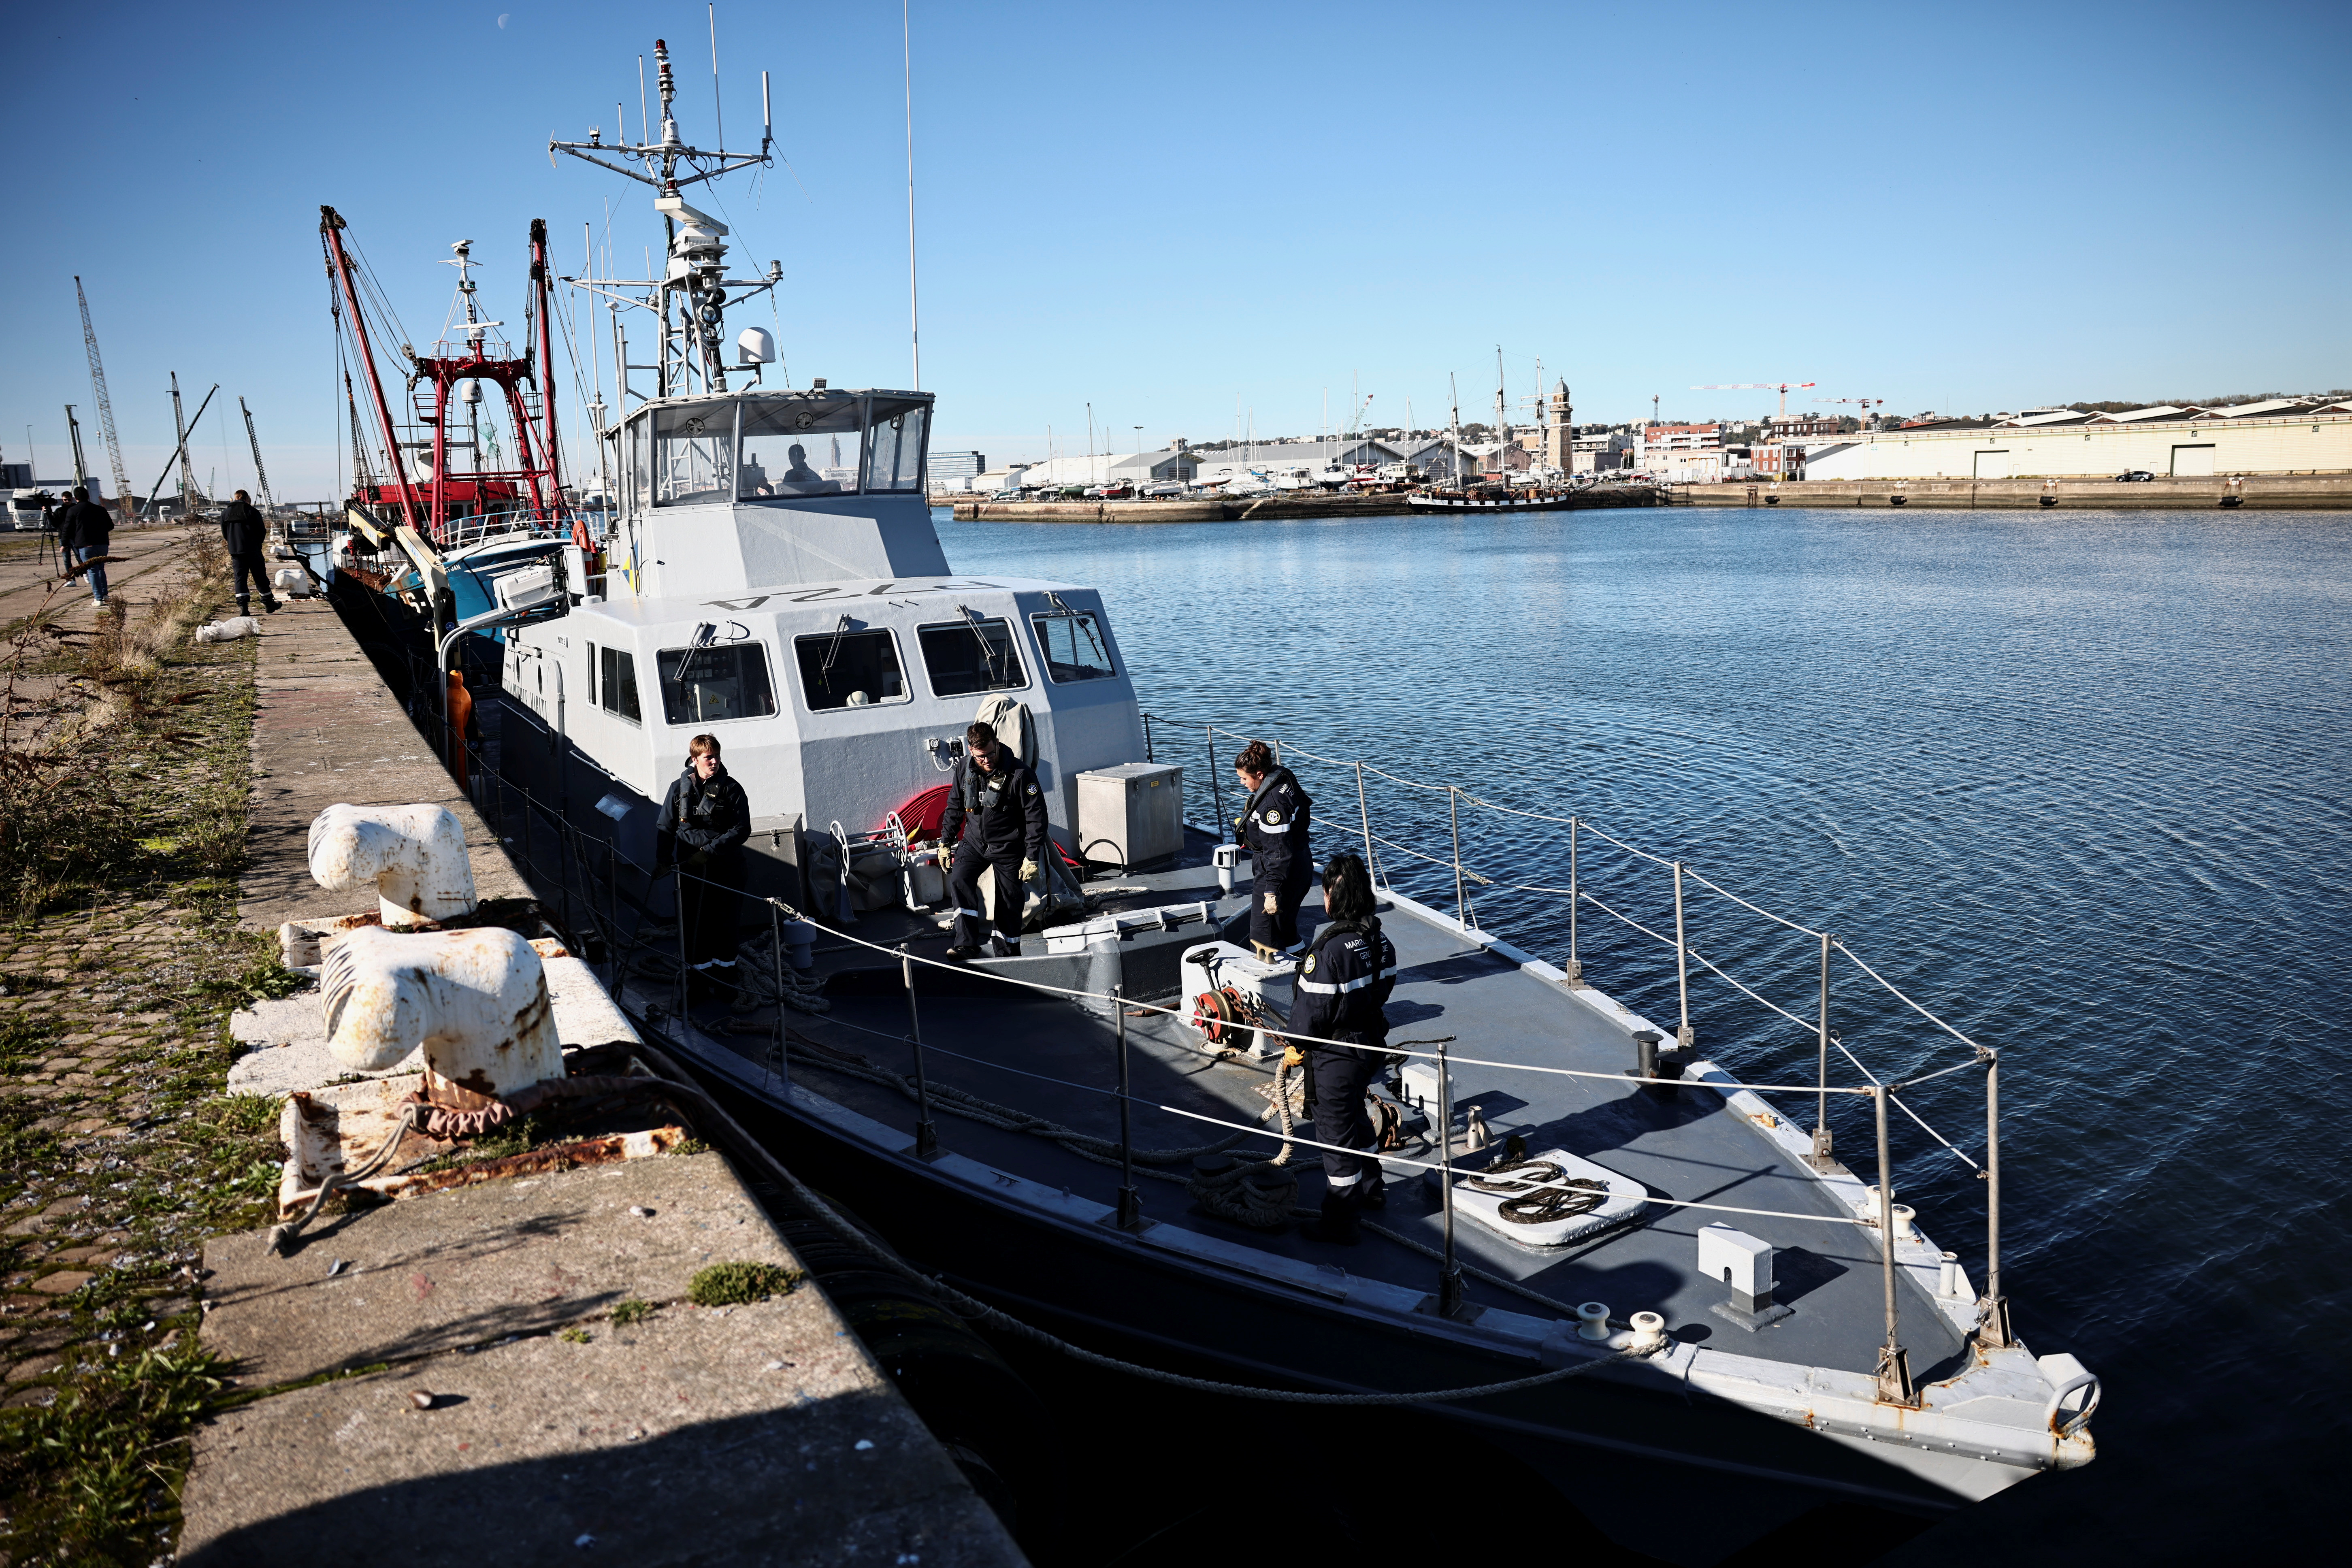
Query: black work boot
(243, 605)
(1372, 1191)
(1338, 1223)
(271, 604)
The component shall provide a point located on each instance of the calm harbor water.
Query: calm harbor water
(2076, 783)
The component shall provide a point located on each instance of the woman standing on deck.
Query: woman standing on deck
(1274, 829)
(705, 822)
(1343, 989)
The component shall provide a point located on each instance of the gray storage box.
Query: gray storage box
(1132, 815)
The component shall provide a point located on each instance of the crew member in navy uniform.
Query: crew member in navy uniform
(1343, 987)
(997, 794)
(705, 822)
(1274, 828)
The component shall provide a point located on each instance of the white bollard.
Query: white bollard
(415, 856)
(475, 1000)
(1592, 1320)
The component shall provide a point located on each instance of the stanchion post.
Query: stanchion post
(1449, 1276)
(613, 910)
(1363, 810)
(1131, 1202)
(1453, 811)
(1146, 738)
(1684, 1039)
(1893, 1363)
(1821, 1067)
(685, 979)
(784, 1062)
(1992, 1330)
(927, 1138)
(1216, 791)
(1575, 897)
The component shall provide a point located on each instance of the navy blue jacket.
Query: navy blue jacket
(85, 525)
(712, 818)
(1343, 985)
(1274, 828)
(1005, 809)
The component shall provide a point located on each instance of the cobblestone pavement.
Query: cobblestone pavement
(120, 1154)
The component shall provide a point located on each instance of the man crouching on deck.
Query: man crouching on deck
(997, 793)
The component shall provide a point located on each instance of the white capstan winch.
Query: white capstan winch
(1235, 996)
(415, 856)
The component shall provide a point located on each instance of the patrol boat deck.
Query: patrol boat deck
(1024, 1221)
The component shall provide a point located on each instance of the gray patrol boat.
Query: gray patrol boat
(1600, 1246)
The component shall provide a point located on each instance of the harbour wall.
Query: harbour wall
(2283, 492)
(1269, 509)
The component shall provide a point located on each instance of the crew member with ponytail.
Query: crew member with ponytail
(1274, 829)
(1343, 987)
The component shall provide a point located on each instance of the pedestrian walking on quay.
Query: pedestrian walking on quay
(84, 529)
(244, 531)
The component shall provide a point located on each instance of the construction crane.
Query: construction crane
(179, 454)
(105, 405)
(260, 474)
(190, 493)
(1782, 387)
(1864, 403)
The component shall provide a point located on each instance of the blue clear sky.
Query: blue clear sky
(1165, 211)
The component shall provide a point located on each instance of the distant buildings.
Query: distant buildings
(2280, 436)
(957, 465)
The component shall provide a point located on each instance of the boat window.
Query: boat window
(1073, 645)
(592, 672)
(641, 471)
(973, 655)
(799, 447)
(850, 668)
(694, 454)
(708, 685)
(894, 449)
(616, 683)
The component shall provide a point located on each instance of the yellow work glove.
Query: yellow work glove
(1028, 870)
(1270, 903)
(1292, 1057)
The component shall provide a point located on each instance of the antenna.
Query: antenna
(767, 120)
(913, 304)
(717, 117)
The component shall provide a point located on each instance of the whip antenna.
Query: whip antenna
(914, 303)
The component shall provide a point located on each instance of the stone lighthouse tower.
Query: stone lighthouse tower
(1559, 432)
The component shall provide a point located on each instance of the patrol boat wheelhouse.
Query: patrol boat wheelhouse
(773, 577)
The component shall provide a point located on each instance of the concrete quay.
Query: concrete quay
(2261, 492)
(512, 1371)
